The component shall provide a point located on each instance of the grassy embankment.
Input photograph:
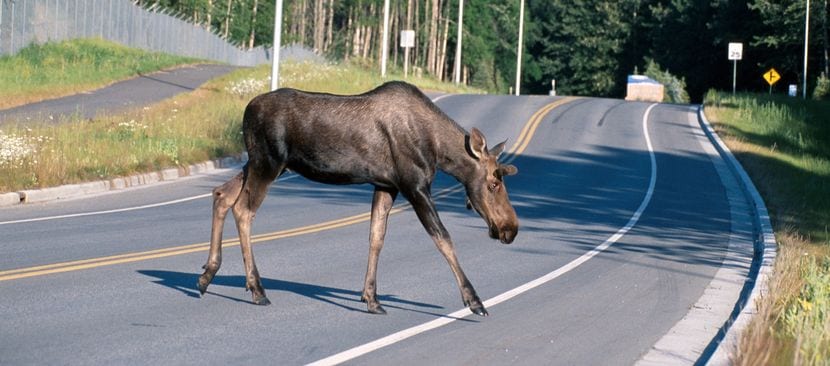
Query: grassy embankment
(784, 144)
(189, 128)
(51, 70)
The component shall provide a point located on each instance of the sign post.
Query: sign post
(407, 42)
(736, 51)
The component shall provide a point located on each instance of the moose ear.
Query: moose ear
(506, 170)
(497, 150)
(476, 144)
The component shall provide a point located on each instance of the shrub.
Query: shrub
(675, 89)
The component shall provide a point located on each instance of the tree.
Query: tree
(578, 43)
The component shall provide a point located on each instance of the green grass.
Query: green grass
(784, 143)
(190, 128)
(59, 68)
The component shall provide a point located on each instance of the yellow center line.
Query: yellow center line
(521, 144)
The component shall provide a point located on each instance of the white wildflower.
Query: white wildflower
(132, 126)
(247, 87)
(14, 148)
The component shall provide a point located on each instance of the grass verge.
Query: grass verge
(55, 69)
(190, 128)
(784, 144)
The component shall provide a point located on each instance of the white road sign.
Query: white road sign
(736, 51)
(407, 38)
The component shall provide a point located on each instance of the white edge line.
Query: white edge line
(442, 96)
(93, 213)
(117, 210)
(765, 247)
(449, 318)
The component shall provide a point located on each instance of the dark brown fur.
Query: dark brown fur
(393, 138)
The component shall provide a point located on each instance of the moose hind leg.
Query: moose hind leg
(381, 205)
(254, 190)
(224, 197)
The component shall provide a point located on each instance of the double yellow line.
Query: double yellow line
(530, 128)
(521, 144)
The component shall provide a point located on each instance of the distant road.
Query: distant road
(120, 96)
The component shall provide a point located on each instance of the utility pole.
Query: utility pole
(519, 47)
(385, 47)
(457, 68)
(275, 61)
(806, 42)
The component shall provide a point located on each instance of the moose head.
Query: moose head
(486, 191)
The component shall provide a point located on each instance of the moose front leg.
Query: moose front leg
(468, 293)
(224, 197)
(381, 205)
(428, 215)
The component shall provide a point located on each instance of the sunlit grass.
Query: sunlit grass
(784, 143)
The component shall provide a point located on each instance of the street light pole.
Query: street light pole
(275, 60)
(519, 47)
(385, 47)
(457, 68)
(806, 42)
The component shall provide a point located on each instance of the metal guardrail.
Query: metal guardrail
(23, 22)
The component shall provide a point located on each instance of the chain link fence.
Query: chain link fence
(23, 22)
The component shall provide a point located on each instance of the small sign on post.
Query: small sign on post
(772, 77)
(407, 38)
(407, 42)
(735, 53)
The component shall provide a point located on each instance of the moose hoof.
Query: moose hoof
(373, 306)
(378, 310)
(202, 288)
(261, 300)
(479, 309)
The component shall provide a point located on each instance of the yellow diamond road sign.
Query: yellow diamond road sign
(771, 76)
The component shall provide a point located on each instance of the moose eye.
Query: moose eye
(493, 187)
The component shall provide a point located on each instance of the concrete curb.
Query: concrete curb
(764, 258)
(96, 187)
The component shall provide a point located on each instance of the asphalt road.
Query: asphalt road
(624, 222)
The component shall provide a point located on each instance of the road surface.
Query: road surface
(625, 216)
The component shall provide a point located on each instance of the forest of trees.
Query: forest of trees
(587, 46)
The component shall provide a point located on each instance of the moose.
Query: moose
(394, 138)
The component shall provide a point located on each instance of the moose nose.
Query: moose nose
(507, 234)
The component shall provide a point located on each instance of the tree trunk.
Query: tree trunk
(227, 20)
(433, 37)
(319, 24)
(442, 56)
(208, 18)
(303, 24)
(329, 26)
(367, 41)
(350, 30)
(253, 24)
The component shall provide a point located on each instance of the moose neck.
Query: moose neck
(453, 157)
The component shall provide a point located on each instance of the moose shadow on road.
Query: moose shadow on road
(342, 298)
